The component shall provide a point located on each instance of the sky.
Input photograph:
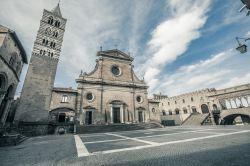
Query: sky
(179, 46)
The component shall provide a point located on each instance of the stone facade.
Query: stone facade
(112, 93)
(12, 59)
(37, 90)
(218, 103)
(63, 105)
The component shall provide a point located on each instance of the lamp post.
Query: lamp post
(242, 48)
(246, 5)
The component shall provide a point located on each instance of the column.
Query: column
(122, 112)
(111, 113)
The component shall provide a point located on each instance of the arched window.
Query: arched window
(170, 112)
(44, 52)
(168, 103)
(41, 51)
(164, 113)
(215, 107)
(57, 23)
(50, 20)
(175, 102)
(64, 99)
(183, 100)
(204, 109)
(177, 111)
(192, 99)
(43, 41)
(47, 42)
(185, 111)
(52, 55)
(194, 110)
(153, 109)
(54, 45)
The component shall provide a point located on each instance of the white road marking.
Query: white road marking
(80, 147)
(150, 136)
(134, 139)
(168, 143)
(210, 132)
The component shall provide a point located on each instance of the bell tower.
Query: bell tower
(37, 89)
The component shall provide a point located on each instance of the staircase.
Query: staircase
(12, 139)
(115, 127)
(196, 120)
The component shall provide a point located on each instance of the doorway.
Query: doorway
(88, 118)
(61, 117)
(116, 115)
(140, 117)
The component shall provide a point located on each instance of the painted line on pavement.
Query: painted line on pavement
(149, 136)
(134, 139)
(80, 147)
(168, 143)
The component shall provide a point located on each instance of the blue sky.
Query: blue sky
(179, 46)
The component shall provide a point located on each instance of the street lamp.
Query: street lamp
(242, 48)
(246, 5)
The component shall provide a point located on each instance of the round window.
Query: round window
(115, 70)
(89, 96)
(139, 99)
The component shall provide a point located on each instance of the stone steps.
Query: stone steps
(115, 127)
(195, 120)
(12, 139)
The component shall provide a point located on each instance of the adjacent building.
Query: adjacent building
(208, 105)
(12, 59)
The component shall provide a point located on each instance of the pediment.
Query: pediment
(115, 54)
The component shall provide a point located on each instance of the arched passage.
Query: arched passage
(6, 98)
(62, 115)
(234, 119)
(204, 109)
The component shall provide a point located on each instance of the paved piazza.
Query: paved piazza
(209, 145)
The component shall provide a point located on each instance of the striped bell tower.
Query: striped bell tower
(37, 89)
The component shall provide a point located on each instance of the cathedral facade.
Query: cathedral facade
(112, 93)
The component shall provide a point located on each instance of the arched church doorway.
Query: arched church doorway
(5, 100)
(62, 115)
(204, 109)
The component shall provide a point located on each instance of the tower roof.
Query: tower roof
(57, 10)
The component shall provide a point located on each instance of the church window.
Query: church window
(116, 70)
(43, 41)
(139, 99)
(183, 100)
(64, 99)
(57, 23)
(90, 96)
(50, 20)
(11, 62)
(48, 31)
(51, 44)
(41, 51)
(52, 55)
(168, 103)
(47, 42)
(175, 102)
(54, 45)
(153, 109)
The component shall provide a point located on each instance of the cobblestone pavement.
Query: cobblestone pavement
(194, 146)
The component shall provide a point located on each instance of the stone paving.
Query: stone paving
(209, 145)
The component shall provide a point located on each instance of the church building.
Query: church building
(112, 93)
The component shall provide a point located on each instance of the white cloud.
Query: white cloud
(222, 70)
(172, 37)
